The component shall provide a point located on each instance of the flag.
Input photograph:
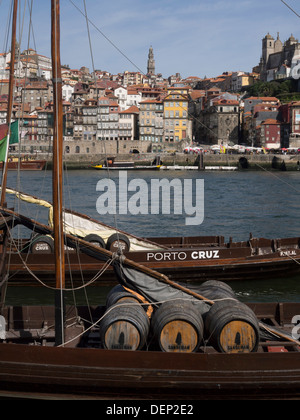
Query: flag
(14, 138)
(3, 142)
(14, 133)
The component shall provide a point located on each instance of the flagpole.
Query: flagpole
(10, 99)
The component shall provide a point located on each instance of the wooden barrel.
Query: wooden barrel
(125, 326)
(42, 244)
(177, 326)
(118, 241)
(232, 327)
(119, 294)
(214, 290)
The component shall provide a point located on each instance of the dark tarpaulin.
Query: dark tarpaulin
(154, 290)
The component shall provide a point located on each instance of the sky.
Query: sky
(192, 37)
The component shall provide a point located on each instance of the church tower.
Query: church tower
(268, 47)
(151, 62)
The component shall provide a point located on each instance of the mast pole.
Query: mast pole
(10, 97)
(58, 173)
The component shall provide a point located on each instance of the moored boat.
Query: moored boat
(111, 164)
(25, 164)
(184, 259)
(40, 371)
(73, 352)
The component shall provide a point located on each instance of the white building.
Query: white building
(4, 60)
(67, 92)
(127, 97)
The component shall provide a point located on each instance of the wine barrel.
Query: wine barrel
(42, 244)
(95, 240)
(118, 241)
(125, 326)
(232, 327)
(178, 326)
(119, 294)
(213, 290)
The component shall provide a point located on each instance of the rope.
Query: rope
(276, 176)
(95, 278)
(141, 71)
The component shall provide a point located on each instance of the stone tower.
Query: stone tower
(268, 47)
(278, 46)
(151, 62)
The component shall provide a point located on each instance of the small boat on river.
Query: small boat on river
(111, 164)
(24, 164)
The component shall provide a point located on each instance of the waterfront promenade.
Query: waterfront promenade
(289, 162)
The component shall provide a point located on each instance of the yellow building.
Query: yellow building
(177, 126)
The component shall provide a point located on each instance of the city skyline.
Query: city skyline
(195, 38)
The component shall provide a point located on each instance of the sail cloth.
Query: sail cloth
(81, 226)
(4, 135)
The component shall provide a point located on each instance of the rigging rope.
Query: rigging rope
(141, 71)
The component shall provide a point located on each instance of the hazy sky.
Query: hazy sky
(191, 37)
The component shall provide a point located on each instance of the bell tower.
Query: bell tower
(268, 47)
(151, 62)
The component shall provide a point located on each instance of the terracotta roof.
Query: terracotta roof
(225, 102)
(132, 110)
(264, 98)
(197, 94)
(270, 122)
(150, 101)
(192, 77)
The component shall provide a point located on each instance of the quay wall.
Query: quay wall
(242, 161)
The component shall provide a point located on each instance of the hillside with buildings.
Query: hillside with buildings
(132, 111)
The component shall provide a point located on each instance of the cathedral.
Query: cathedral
(279, 60)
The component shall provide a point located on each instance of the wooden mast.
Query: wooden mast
(58, 172)
(10, 96)
(4, 240)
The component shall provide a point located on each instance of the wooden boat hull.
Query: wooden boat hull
(113, 373)
(127, 168)
(50, 372)
(188, 271)
(184, 259)
(29, 165)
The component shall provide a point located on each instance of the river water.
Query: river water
(233, 204)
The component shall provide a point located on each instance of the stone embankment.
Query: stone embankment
(242, 161)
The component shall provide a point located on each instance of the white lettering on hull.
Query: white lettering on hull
(182, 256)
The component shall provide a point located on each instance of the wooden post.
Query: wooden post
(58, 172)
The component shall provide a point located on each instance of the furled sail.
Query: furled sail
(80, 225)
